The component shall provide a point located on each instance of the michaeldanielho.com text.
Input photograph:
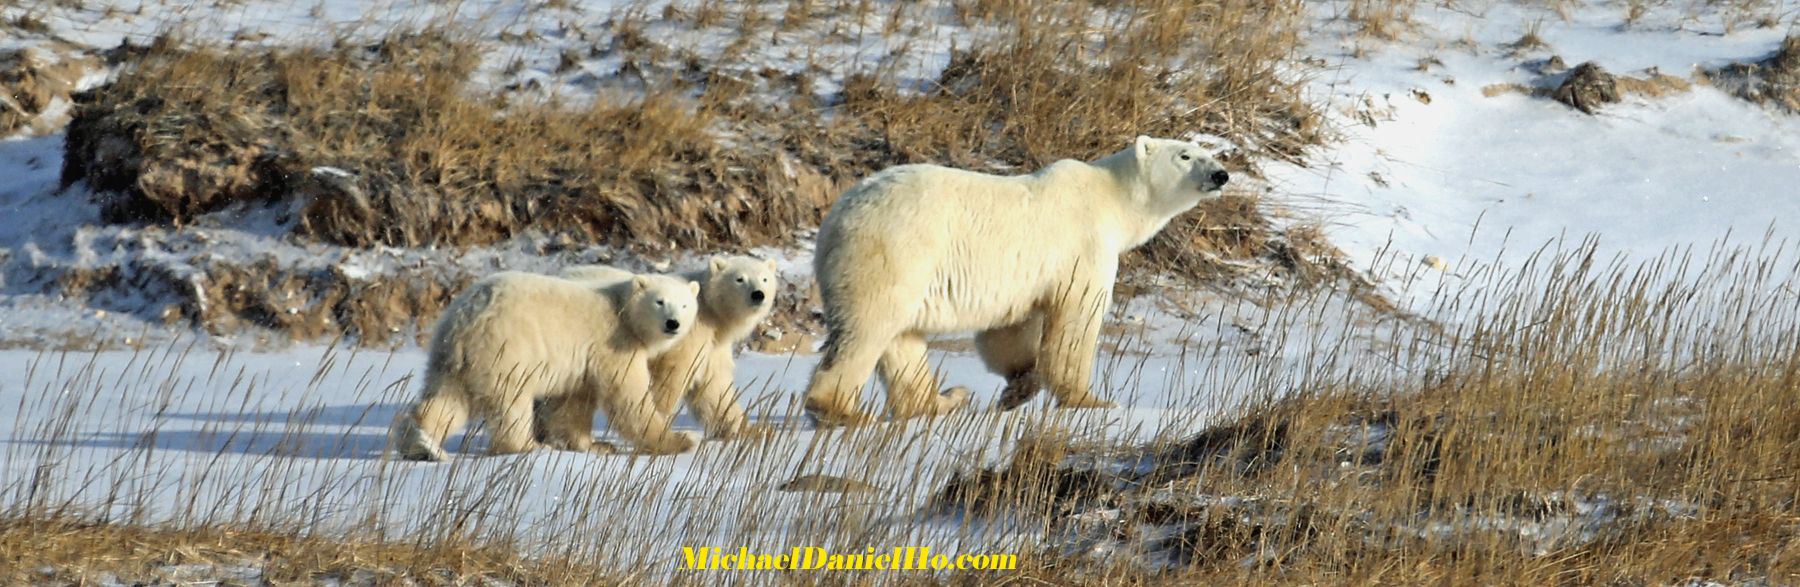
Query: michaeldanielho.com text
(810, 558)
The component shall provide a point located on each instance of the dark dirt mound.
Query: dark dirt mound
(1772, 82)
(264, 295)
(1587, 88)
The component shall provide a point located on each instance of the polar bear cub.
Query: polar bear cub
(736, 294)
(514, 337)
(1026, 261)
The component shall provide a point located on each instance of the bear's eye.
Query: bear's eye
(740, 280)
(659, 303)
(1184, 157)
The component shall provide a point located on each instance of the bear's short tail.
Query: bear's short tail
(408, 441)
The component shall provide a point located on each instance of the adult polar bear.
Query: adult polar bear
(1028, 261)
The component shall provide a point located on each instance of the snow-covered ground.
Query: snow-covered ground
(187, 433)
(1428, 167)
(1438, 169)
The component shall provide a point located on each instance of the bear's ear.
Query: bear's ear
(1143, 145)
(717, 264)
(694, 286)
(640, 283)
(770, 263)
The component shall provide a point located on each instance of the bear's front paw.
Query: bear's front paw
(676, 442)
(750, 432)
(1086, 402)
(824, 416)
(568, 444)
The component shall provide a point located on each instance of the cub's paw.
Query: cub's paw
(689, 440)
(750, 432)
(954, 398)
(1018, 390)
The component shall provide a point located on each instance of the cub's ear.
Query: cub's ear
(770, 263)
(717, 264)
(694, 286)
(1143, 146)
(640, 283)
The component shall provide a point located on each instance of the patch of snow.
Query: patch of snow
(1474, 180)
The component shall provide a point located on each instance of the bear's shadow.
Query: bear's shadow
(290, 434)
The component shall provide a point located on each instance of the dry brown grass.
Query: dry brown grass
(1038, 93)
(38, 551)
(1382, 19)
(1618, 430)
(430, 163)
(31, 84)
(707, 160)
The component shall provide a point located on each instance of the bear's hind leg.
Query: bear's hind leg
(419, 434)
(831, 395)
(543, 420)
(912, 387)
(512, 427)
(1011, 352)
(570, 426)
(510, 417)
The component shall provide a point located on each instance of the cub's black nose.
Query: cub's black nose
(757, 297)
(672, 326)
(1220, 177)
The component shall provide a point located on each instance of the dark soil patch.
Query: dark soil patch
(1772, 82)
(1587, 88)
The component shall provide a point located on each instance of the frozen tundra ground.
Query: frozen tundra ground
(1432, 185)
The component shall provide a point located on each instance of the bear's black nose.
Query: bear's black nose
(1219, 178)
(757, 297)
(672, 326)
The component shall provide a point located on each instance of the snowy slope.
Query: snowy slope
(189, 432)
(1472, 179)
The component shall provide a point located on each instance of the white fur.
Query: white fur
(513, 338)
(700, 366)
(1029, 260)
